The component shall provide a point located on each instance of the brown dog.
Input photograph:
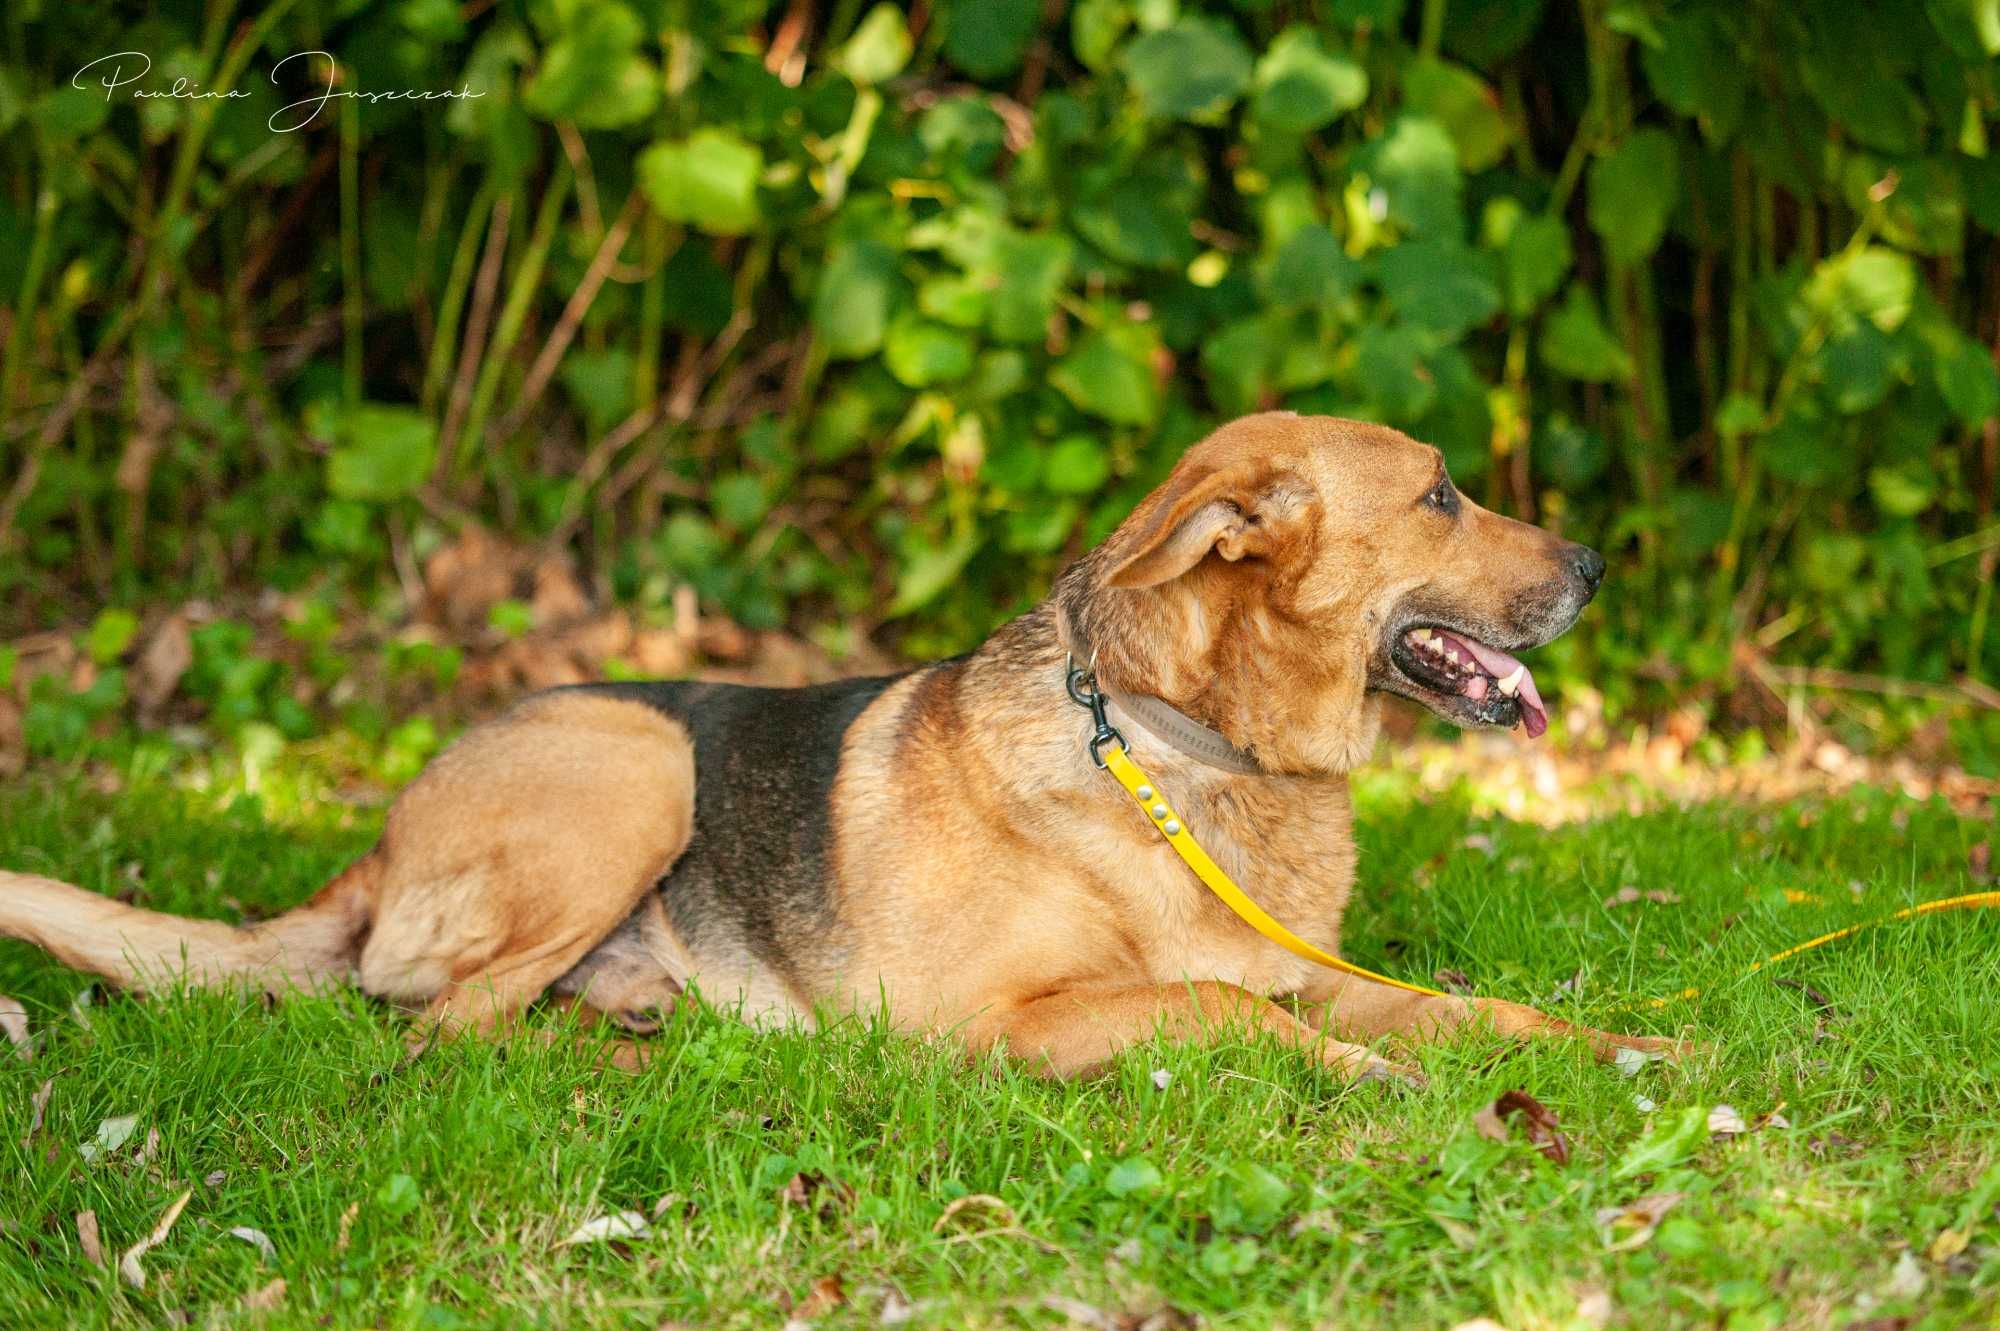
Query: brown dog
(941, 840)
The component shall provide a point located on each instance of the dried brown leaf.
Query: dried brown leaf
(128, 1265)
(1632, 1225)
(826, 1294)
(618, 1226)
(1625, 896)
(1544, 1132)
(1079, 1313)
(1453, 981)
(165, 659)
(38, 1105)
(13, 743)
(88, 1238)
(265, 1297)
(1724, 1121)
(1003, 1213)
(1948, 1244)
(823, 1196)
(1979, 861)
(112, 1133)
(14, 1024)
(257, 1239)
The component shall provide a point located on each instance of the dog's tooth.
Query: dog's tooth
(1512, 683)
(1451, 655)
(1421, 636)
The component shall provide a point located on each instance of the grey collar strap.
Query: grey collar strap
(1183, 732)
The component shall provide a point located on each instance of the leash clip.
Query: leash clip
(1081, 681)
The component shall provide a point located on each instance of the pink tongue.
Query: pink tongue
(1534, 716)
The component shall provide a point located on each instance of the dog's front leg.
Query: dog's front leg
(1076, 1031)
(1362, 1009)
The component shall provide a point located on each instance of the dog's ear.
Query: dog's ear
(1238, 511)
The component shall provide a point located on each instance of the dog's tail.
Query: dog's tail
(311, 947)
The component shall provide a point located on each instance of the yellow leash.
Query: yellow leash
(1969, 901)
(1107, 747)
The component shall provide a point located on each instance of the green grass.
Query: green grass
(1253, 1191)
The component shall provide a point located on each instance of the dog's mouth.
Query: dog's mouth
(1466, 680)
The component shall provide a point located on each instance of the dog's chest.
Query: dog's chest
(1293, 855)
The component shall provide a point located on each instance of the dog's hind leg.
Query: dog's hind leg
(520, 849)
(1362, 1009)
(1077, 1031)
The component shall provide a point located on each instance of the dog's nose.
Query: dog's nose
(1587, 564)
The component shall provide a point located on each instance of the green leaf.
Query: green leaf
(1031, 270)
(1971, 27)
(1696, 71)
(399, 1196)
(1860, 81)
(66, 113)
(111, 633)
(708, 179)
(850, 306)
(1094, 29)
(1415, 164)
(1108, 374)
(955, 299)
(1570, 456)
(1442, 286)
(920, 353)
(1675, 1135)
(930, 570)
(1856, 368)
(1250, 1196)
(592, 74)
(988, 38)
(1077, 465)
(1301, 86)
(1462, 102)
(1536, 257)
(383, 453)
(1237, 361)
(1388, 361)
(1040, 528)
(599, 382)
(1192, 70)
(1140, 217)
(1135, 1177)
(1967, 379)
(1903, 491)
(1872, 283)
(696, 293)
(740, 500)
(1311, 271)
(1575, 341)
(879, 48)
(1632, 193)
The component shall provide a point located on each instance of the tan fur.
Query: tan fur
(985, 878)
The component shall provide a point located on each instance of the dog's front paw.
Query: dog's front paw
(1362, 1064)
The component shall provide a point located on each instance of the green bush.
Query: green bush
(850, 314)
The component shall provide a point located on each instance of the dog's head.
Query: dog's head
(1291, 565)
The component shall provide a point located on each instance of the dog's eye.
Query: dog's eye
(1443, 497)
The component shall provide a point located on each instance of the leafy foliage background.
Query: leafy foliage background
(863, 319)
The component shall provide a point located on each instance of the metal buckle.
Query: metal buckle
(1081, 682)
